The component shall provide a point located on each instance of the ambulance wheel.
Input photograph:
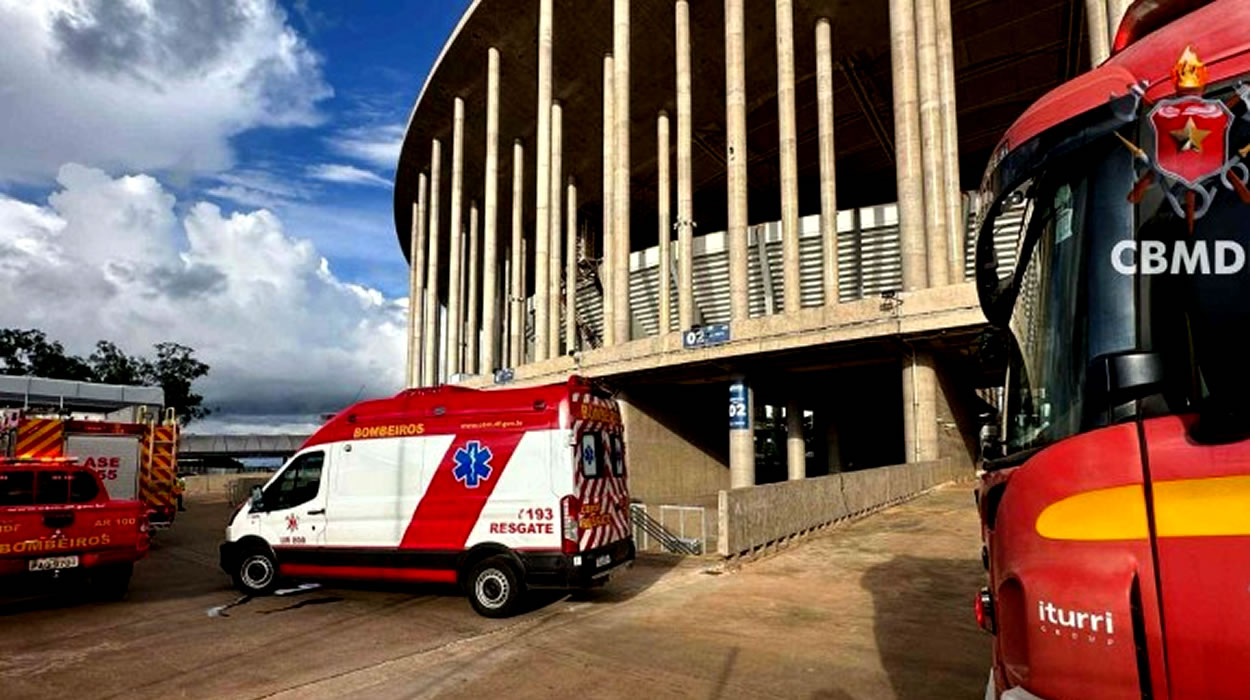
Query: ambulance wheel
(111, 582)
(257, 572)
(495, 588)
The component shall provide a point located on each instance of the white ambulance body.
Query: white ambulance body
(495, 490)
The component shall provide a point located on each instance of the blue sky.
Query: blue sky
(216, 173)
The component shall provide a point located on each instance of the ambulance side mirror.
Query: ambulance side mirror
(258, 499)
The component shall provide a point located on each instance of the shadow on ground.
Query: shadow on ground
(929, 642)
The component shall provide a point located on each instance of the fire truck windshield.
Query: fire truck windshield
(1099, 277)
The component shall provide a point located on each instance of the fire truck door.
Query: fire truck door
(114, 457)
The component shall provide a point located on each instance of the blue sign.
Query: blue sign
(700, 336)
(739, 407)
(472, 464)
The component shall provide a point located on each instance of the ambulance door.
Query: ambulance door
(292, 511)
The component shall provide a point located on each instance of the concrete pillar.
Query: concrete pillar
(570, 269)
(608, 255)
(920, 429)
(907, 145)
(429, 360)
(455, 312)
(955, 225)
(833, 455)
(828, 161)
(621, 193)
(1115, 13)
(490, 230)
(416, 286)
(788, 146)
(554, 297)
(664, 274)
(935, 220)
(796, 447)
(542, 214)
(736, 157)
(1099, 30)
(685, 184)
(472, 329)
(741, 434)
(516, 298)
(505, 305)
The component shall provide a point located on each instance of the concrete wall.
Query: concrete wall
(677, 443)
(223, 486)
(758, 515)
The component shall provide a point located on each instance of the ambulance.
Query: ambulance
(497, 491)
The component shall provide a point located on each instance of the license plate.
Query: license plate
(53, 563)
(603, 560)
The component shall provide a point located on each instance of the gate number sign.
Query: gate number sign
(711, 334)
(739, 410)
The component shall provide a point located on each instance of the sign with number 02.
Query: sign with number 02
(739, 408)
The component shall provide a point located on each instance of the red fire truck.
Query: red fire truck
(1115, 498)
(135, 460)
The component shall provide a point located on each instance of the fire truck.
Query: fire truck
(136, 460)
(1115, 491)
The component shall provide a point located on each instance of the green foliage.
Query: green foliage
(174, 369)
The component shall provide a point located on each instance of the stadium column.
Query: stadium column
(935, 197)
(1099, 30)
(416, 286)
(1115, 13)
(570, 269)
(787, 140)
(471, 328)
(920, 387)
(796, 447)
(828, 164)
(455, 287)
(685, 186)
(429, 360)
(955, 223)
(505, 306)
(907, 145)
(516, 297)
(542, 212)
(554, 297)
(490, 232)
(736, 159)
(621, 193)
(741, 434)
(608, 256)
(664, 273)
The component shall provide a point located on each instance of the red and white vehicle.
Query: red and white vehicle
(495, 490)
(57, 519)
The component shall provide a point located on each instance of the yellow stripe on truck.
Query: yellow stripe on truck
(1208, 507)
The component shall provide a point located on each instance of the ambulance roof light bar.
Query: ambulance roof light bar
(1145, 16)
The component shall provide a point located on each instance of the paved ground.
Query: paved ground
(876, 609)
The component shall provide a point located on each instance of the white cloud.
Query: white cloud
(376, 145)
(147, 84)
(107, 258)
(346, 174)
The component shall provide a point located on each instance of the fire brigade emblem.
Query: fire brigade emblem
(292, 522)
(472, 464)
(1189, 155)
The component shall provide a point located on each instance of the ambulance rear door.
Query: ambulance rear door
(114, 457)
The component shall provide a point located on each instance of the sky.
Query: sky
(216, 173)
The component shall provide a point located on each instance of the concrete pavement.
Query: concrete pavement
(876, 609)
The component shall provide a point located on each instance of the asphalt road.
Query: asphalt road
(877, 608)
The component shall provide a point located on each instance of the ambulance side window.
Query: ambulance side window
(591, 456)
(299, 483)
(618, 455)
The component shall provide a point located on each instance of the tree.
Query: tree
(175, 369)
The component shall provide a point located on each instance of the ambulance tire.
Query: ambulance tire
(495, 587)
(111, 582)
(256, 572)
